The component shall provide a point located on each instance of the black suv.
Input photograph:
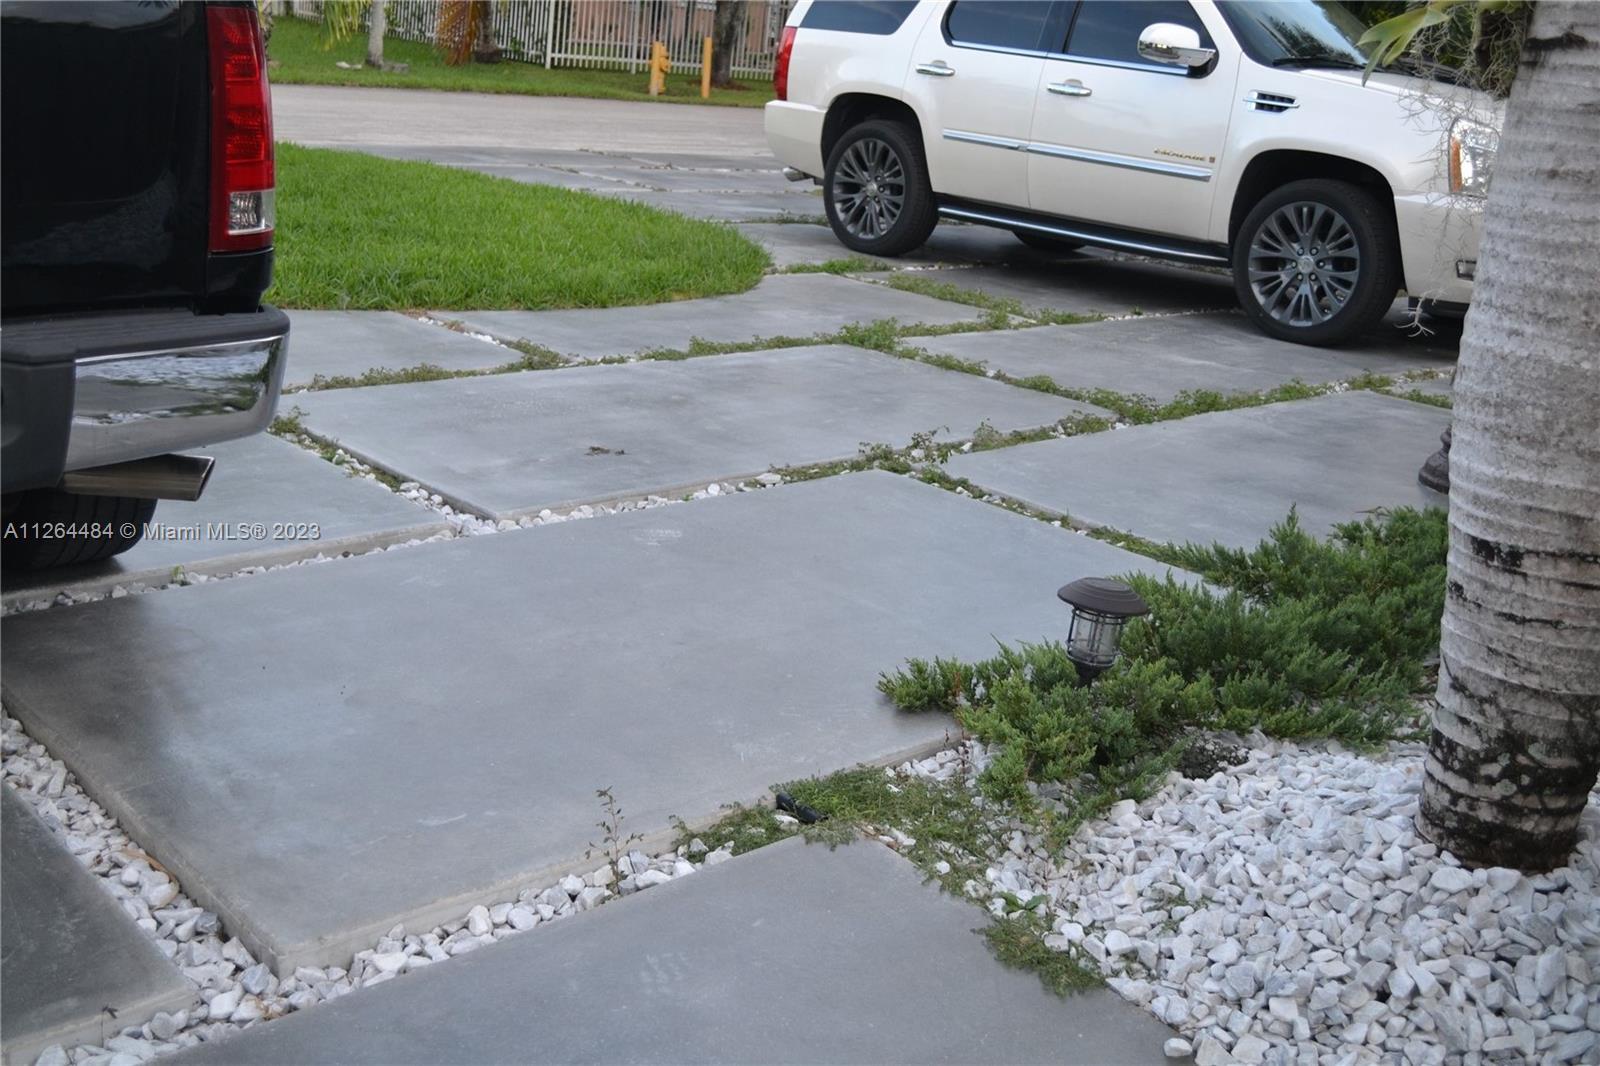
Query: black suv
(138, 225)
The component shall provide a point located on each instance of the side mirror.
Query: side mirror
(1178, 46)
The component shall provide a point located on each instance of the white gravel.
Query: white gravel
(1287, 911)
(235, 990)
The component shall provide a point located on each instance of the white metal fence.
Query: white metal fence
(605, 34)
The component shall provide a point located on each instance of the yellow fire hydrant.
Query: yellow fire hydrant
(659, 65)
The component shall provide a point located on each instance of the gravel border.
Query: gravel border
(1287, 911)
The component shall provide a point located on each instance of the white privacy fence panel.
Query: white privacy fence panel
(604, 34)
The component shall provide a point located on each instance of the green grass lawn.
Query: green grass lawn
(299, 59)
(356, 231)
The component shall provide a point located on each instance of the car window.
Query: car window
(1023, 25)
(858, 16)
(1109, 29)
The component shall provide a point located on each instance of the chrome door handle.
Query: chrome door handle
(1074, 87)
(938, 69)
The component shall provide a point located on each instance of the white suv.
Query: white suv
(1227, 132)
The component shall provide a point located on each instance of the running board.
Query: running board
(1088, 234)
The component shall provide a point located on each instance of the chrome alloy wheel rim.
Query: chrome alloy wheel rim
(1304, 263)
(869, 188)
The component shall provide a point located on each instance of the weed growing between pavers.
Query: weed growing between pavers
(854, 264)
(1418, 396)
(1019, 943)
(1299, 637)
(290, 427)
(944, 290)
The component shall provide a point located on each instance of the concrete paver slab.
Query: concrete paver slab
(545, 175)
(724, 206)
(1439, 386)
(858, 962)
(1228, 476)
(518, 443)
(314, 786)
(260, 482)
(347, 343)
(794, 305)
(70, 951)
(757, 158)
(702, 179)
(1162, 356)
(796, 243)
(1098, 285)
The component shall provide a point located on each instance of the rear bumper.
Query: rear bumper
(794, 133)
(90, 390)
(1439, 245)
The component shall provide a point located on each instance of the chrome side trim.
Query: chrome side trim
(1082, 155)
(1166, 251)
(1085, 155)
(984, 139)
(1122, 64)
(1036, 53)
(137, 404)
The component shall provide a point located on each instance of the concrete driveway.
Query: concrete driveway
(347, 736)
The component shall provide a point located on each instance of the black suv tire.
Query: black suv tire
(876, 191)
(1289, 283)
(47, 528)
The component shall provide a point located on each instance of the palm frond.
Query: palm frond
(341, 20)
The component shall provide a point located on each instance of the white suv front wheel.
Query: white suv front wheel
(1316, 262)
(876, 189)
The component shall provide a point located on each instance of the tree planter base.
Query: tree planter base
(1435, 473)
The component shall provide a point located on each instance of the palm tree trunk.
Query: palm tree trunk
(1516, 736)
(485, 49)
(377, 23)
(725, 24)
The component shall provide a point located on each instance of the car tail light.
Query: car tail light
(780, 70)
(242, 176)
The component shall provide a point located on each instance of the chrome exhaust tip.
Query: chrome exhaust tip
(160, 477)
(795, 175)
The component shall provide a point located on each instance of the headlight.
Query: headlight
(1472, 150)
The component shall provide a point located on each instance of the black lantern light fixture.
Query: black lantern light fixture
(1101, 608)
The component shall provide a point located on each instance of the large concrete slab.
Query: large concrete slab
(725, 206)
(701, 179)
(318, 753)
(794, 305)
(278, 503)
(518, 443)
(1229, 476)
(75, 968)
(1160, 357)
(347, 343)
(1097, 285)
(792, 953)
(795, 244)
(547, 175)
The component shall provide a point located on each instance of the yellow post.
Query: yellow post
(705, 70)
(659, 65)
